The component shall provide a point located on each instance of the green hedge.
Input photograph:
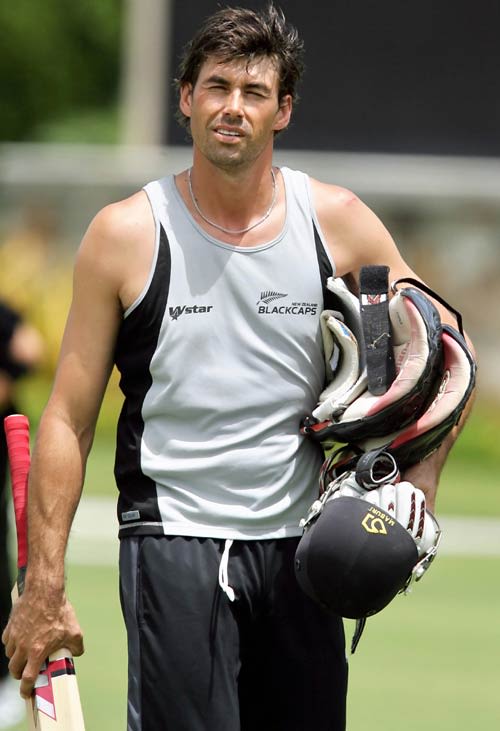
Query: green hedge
(56, 58)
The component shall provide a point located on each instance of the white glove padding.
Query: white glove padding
(404, 502)
(342, 363)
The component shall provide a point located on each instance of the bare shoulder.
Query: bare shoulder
(340, 207)
(330, 198)
(118, 246)
(121, 223)
(355, 235)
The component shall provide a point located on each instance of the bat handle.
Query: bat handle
(18, 446)
(47, 707)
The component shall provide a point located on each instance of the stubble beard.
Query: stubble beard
(228, 159)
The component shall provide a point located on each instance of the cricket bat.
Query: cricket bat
(55, 701)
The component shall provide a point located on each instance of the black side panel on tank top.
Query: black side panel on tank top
(135, 347)
(325, 271)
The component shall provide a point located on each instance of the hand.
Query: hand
(40, 623)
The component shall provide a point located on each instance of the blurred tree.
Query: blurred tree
(57, 59)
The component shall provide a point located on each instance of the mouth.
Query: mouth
(228, 133)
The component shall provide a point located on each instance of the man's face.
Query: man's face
(234, 110)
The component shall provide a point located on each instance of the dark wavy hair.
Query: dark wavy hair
(240, 33)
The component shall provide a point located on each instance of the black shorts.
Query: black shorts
(272, 660)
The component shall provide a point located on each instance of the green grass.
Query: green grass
(468, 488)
(102, 670)
(428, 661)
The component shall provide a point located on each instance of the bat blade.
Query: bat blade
(55, 702)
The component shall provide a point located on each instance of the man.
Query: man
(21, 350)
(205, 290)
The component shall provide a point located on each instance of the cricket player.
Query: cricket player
(205, 289)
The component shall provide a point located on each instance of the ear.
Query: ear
(283, 114)
(185, 99)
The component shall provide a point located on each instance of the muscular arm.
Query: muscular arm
(356, 237)
(43, 620)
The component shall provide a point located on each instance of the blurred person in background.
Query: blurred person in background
(21, 350)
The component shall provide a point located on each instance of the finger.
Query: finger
(6, 634)
(73, 638)
(28, 679)
(75, 645)
(413, 510)
(421, 519)
(17, 664)
(9, 648)
(30, 673)
(9, 644)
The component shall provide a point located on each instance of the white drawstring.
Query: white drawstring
(223, 571)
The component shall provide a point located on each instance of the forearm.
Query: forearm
(426, 474)
(56, 480)
(43, 620)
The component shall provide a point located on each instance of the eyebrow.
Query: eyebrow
(253, 85)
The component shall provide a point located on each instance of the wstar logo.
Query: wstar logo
(176, 312)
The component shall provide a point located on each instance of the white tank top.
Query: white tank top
(221, 358)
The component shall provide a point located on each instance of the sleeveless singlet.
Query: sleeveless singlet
(220, 358)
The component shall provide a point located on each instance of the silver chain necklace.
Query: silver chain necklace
(232, 230)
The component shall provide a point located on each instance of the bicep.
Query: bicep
(86, 355)
(357, 238)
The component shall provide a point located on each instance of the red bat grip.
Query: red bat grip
(18, 446)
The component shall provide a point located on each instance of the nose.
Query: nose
(234, 104)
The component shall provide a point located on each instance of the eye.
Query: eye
(256, 93)
(216, 86)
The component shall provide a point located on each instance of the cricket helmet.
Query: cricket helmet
(364, 543)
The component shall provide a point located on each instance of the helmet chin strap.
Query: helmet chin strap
(358, 631)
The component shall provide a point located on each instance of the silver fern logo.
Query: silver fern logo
(267, 305)
(270, 296)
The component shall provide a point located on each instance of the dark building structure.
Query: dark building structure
(393, 76)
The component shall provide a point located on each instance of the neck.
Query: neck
(234, 200)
